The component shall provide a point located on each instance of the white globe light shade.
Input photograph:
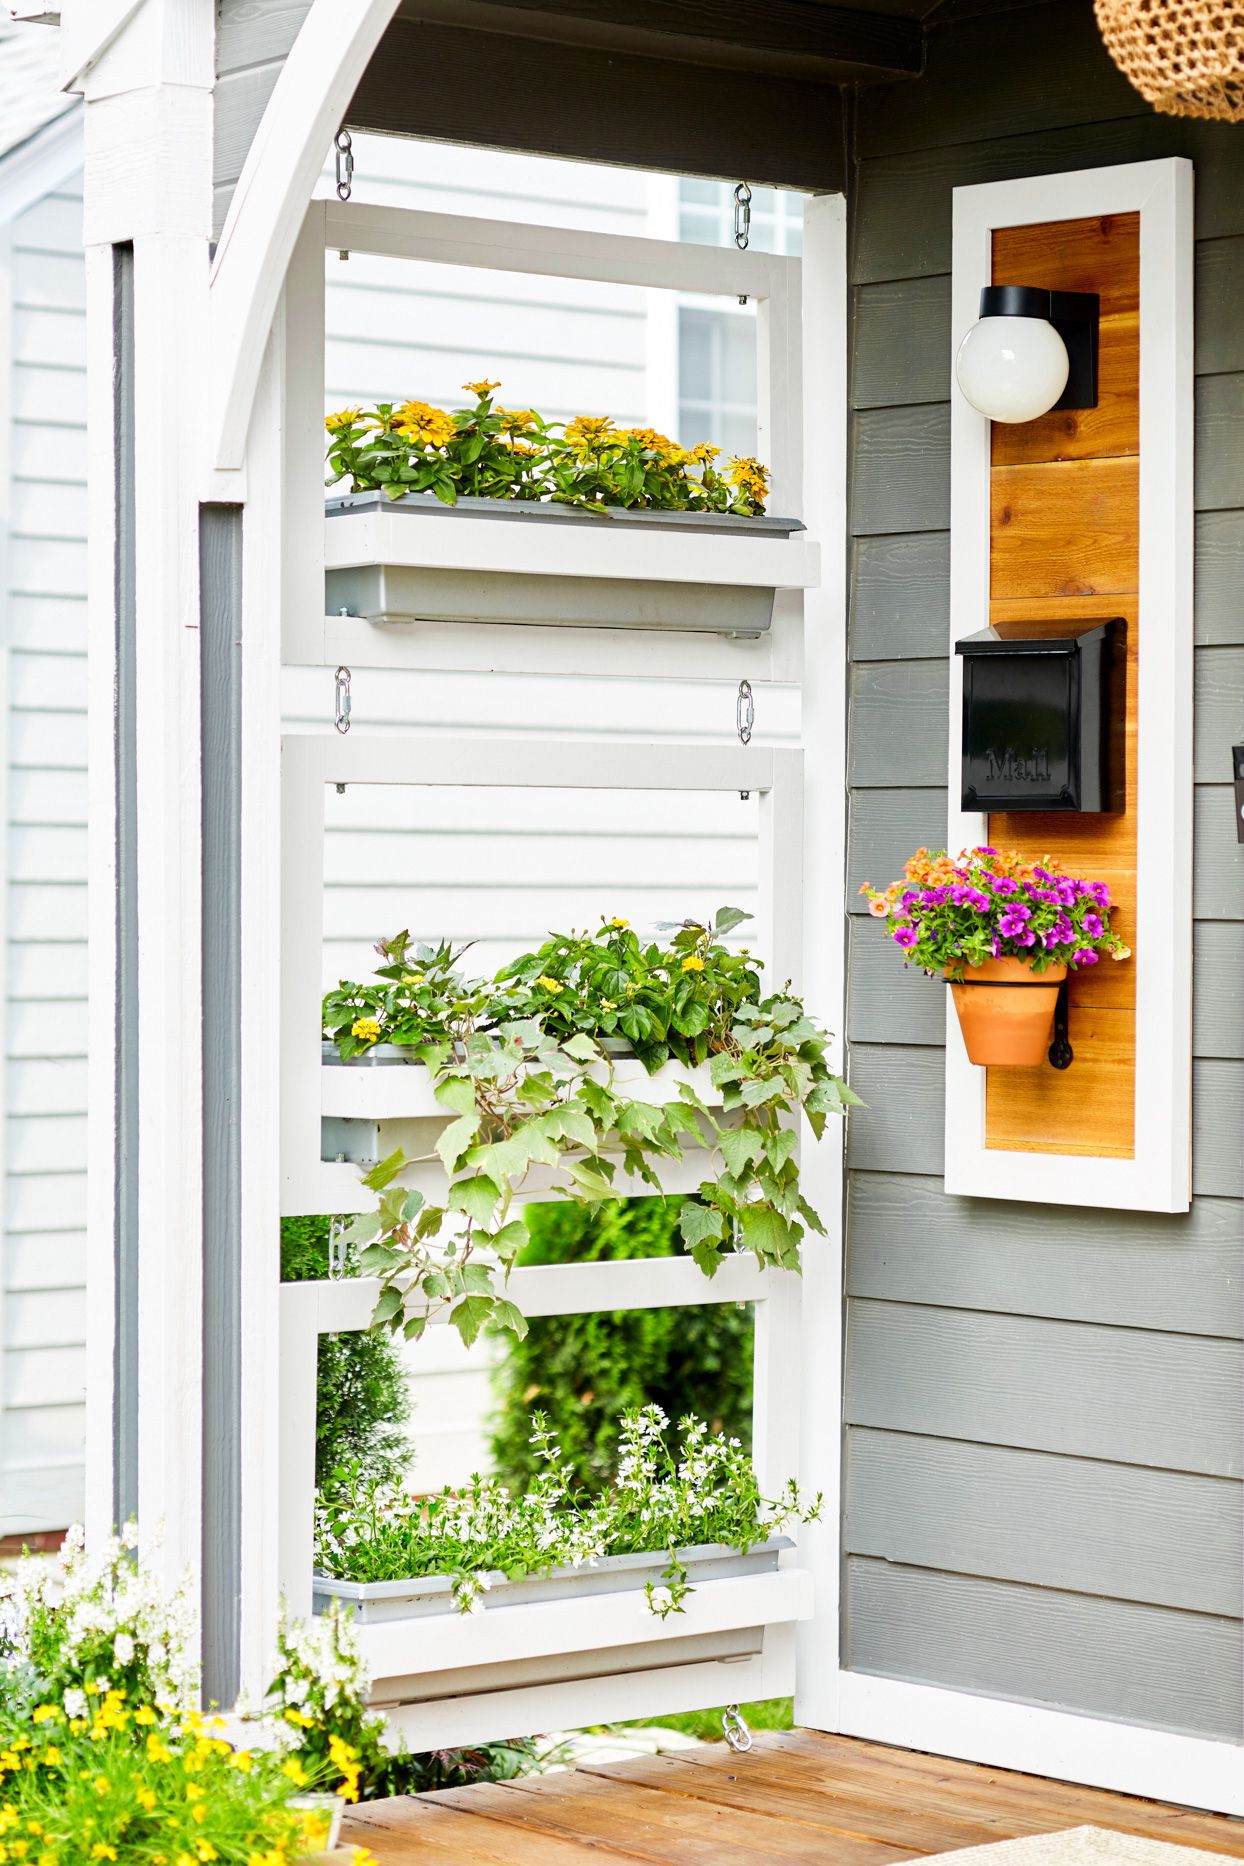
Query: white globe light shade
(1012, 368)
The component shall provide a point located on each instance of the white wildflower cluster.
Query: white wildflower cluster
(319, 1666)
(659, 1502)
(99, 1619)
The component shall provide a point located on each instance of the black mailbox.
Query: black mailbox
(1043, 719)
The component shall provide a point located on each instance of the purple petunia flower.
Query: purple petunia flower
(1066, 894)
(1085, 958)
(1092, 926)
(905, 937)
(1100, 893)
(1005, 887)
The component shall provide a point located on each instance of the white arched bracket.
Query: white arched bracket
(312, 94)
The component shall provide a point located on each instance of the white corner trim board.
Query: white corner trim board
(1158, 1177)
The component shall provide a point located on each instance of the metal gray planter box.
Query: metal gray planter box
(387, 592)
(375, 1601)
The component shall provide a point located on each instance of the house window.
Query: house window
(716, 342)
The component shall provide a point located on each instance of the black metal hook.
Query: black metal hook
(1061, 1053)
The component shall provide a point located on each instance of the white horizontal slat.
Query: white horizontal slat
(42, 1436)
(47, 740)
(37, 797)
(48, 510)
(44, 1259)
(53, 224)
(44, 1377)
(45, 1143)
(49, 453)
(451, 811)
(501, 294)
(49, 1497)
(394, 370)
(55, 1088)
(54, 622)
(592, 1623)
(57, 1200)
(47, 971)
(47, 854)
(55, 682)
(602, 861)
(52, 279)
(47, 1318)
(406, 1091)
(40, 911)
(535, 186)
(51, 394)
(440, 320)
(46, 336)
(51, 564)
(487, 912)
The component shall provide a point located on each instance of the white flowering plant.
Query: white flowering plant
(663, 1499)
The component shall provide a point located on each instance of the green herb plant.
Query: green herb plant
(520, 1067)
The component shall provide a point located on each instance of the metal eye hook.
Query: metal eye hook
(734, 1726)
(344, 145)
(341, 700)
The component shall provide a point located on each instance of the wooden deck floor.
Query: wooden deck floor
(800, 1797)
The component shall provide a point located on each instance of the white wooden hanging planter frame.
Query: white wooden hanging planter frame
(400, 1100)
(701, 603)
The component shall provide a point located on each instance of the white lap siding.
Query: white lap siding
(42, 1307)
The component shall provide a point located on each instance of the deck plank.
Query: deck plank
(798, 1796)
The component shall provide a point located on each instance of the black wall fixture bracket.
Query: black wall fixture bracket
(1074, 315)
(1061, 1053)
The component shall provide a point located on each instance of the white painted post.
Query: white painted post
(823, 908)
(148, 182)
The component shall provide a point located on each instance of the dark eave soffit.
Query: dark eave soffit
(725, 88)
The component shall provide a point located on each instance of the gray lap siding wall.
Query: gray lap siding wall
(1043, 1406)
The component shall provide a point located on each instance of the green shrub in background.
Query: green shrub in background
(362, 1401)
(584, 1371)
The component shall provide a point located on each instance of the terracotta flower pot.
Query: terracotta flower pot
(1006, 1012)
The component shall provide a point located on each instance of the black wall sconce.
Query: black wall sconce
(1032, 350)
(1044, 719)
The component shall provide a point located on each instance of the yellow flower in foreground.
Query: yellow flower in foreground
(417, 421)
(750, 477)
(146, 1798)
(693, 963)
(102, 1851)
(653, 442)
(516, 420)
(366, 1029)
(551, 984)
(704, 453)
(344, 418)
(588, 431)
(47, 1713)
(102, 1785)
(145, 1715)
(484, 387)
(295, 1771)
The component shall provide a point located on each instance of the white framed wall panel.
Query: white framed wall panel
(1158, 1176)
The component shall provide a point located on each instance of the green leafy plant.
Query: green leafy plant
(521, 1069)
(361, 1395)
(661, 1500)
(585, 1372)
(485, 451)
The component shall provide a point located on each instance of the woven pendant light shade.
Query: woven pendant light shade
(1185, 56)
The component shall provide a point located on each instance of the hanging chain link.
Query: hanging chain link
(341, 700)
(344, 145)
(737, 1734)
(745, 712)
(338, 1250)
(742, 216)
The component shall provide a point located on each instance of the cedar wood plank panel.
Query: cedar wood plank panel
(977, 1316)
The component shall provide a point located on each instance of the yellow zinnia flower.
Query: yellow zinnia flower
(693, 963)
(481, 388)
(418, 421)
(587, 432)
(653, 442)
(366, 1029)
(516, 420)
(345, 418)
(750, 477)
(704, 453)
